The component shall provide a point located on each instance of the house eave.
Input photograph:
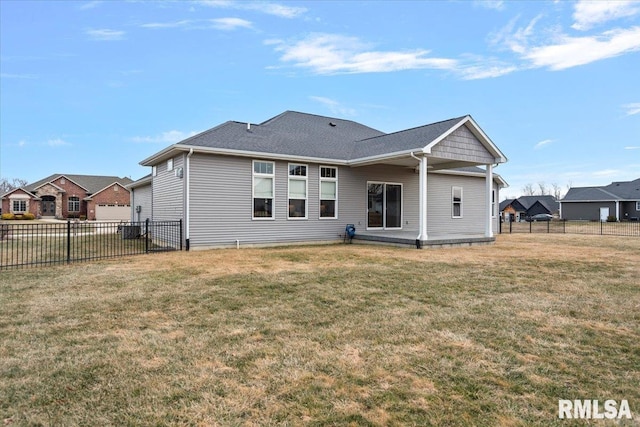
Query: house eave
(178, 148)
(497, 178)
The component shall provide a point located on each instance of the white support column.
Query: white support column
(617, 210)
(489, 190)
(423, 198)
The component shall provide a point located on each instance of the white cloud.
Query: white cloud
(225, 24)
(176, 24)
(268, 8)
(230, 23)
(490, 4)
(337, 54)
(588, 13)
(543, 143)
(57, 143)
(18, 76)
(570, 52)
(90, 5)
(169, 137)
(632, 147)
(606, 172)
(632, 109)
(105, 34)
(334, 106)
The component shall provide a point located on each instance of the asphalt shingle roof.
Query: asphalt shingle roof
(310, 135)
(290, 133)
(92, 183)
(623, 190)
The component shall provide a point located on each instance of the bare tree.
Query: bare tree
(543, 188)
(528, 190)
(557, 190)
(7, 185)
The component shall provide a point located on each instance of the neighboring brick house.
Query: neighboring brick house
(72, 196)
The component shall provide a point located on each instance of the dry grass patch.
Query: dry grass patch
(344, 335)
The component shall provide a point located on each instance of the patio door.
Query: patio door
(384, 205)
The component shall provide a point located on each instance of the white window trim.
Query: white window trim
(453, 189)
(154, 170)
(169, 165)
(19, 211)
(69, 201)
(638, 206)
(255, 174)
(384, 204)
(306, 191)
(320, 192)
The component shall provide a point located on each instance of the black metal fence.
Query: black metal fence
(24, 245)
(624, 228)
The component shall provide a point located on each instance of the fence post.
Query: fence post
(146, 236)
(68, 241)
(601, 227)
(510, 226)
(180, 233)
(548, 226)
(530, 226)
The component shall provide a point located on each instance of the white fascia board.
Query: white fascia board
(240, 153)
(8, 194)
(139, 183)
(478, 132)
(596, 201)
(108, 186)
(59, 188)
(363, 161)
(497, 178)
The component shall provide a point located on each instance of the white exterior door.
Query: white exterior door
(604, 214)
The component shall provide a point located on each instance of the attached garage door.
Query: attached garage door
(113, 213)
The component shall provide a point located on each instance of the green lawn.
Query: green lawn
(325, 335)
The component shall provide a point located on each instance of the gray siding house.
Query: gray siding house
(301, 177)
(620, 200)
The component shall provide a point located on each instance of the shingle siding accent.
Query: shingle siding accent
(168, 192)
(462, 145)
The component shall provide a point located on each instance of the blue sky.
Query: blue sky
(91, 87)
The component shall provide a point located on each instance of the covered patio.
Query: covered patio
(411, 238)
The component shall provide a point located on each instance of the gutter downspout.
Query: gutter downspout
(422, 200)
(187, 209)
(488, 232)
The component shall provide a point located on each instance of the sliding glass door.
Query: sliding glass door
(384, 205)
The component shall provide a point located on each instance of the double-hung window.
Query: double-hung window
(328, 192)
(456, 202)
(19, 206)
(638, 206)
(297, 191)
(263, 189)
(74, 204)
